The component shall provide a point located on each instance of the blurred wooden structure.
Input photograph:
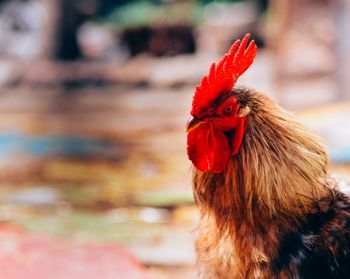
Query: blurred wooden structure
(342, 15)
(63, 19)
(51, 8)
(310, 40)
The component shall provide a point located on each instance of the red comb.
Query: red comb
(223, 76)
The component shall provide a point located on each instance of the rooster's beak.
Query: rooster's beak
(192, 124)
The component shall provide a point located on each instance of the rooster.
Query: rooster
(269, 209)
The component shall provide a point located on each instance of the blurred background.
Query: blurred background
(94, 99)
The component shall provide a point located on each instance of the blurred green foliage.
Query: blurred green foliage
(204, 2)
(92, 226)
(139, 13)
(144, 13)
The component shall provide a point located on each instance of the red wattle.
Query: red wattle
(208, 148)
(237, 135)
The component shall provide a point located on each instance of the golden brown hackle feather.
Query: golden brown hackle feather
(276, 178)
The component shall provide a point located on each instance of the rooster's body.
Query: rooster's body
(268, 207)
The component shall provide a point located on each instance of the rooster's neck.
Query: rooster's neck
(279, 173)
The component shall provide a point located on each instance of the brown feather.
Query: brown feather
(277, 177)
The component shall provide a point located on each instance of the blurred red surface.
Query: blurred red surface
(23, 256)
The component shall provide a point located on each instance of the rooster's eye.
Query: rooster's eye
(228, 110)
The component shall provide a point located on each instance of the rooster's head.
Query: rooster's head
(218, 123)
